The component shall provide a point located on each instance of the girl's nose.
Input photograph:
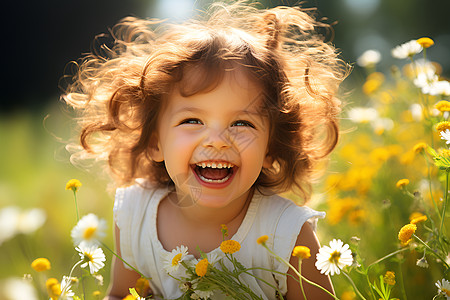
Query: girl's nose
(217, 139)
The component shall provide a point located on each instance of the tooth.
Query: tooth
(219, 166)
(213, 165)
(229, 165)
(208, 165)
(203, 165)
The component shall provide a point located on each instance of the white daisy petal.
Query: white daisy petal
(445, 135)
(172, 261)
(407, 50)
(330, 260)
(89, 229)
(444, 288)
(91, 256)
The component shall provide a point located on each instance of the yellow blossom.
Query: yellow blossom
(53, 288)
(442, 126)
(230, 246)
(425, 42)
(142, 287)
(443, 106)
(129, 297)
(389, 278)
(371, 86)
(202, 267)
(419, 147)
(262, 239)
(41, 264)
(419, 219)
(96, 294)
(415, 214)
(301, 252)
(224, 229)
(73, 184)
(348, 295)
(406, 233)
(402, 183)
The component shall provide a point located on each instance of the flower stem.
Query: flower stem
(430, 187)
(444, 207)
(298, 274)
(386, 257)
(353, 285)
(118, 256)
(300, 278)
(432, 252)
(76, 204)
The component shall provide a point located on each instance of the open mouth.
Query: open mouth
(214, 172)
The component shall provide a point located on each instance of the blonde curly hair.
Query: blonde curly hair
(119, 92)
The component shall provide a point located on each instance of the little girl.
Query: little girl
(202, 124)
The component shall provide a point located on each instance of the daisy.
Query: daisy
(445, 135)
(331, 259)
(199, 293)
(90, 229)
(91, 256)
(66, 292)
(369, 58)
(406, 50)
(443, 288)
(172, 260)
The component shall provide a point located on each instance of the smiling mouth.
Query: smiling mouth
(214, 172)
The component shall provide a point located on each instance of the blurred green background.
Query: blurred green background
(43, 36)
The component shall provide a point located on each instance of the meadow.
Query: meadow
(385, 191)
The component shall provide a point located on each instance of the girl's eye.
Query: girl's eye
(191, 121)
(243, 123)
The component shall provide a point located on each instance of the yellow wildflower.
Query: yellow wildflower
(142, 287)
(444, 152)
(371, 86)
(96, 294)
(129, 297)
(202, 267)
(419, 219)
(406, 232)
(425, 42)
(262, 239)
(230, 246)
(443, 106)
(224, 229)
(73, 184)
(53, 288)
(442, 126)
(419, 147)
(414, 215)
(389, 278)
(41, 264)
(348, 295)
(301, 252)
(402, 183)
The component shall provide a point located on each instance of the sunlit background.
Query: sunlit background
(39, 40)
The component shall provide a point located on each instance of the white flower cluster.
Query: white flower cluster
(369, 58)
(14, 221)
(370, 115)
(406, 50)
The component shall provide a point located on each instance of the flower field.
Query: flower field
(384, 191)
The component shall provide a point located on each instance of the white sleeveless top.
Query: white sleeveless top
(135, 210)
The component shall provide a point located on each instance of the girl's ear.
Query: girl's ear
(268, 161)
(155, 150)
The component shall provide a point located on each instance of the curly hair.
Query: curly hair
(120, 92)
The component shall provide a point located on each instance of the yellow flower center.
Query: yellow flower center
(334, 257)
(176, 259)
(88, 257)
(443, 106)
(442, 126)
(301, 252)
(202, 267)
(53, 288)
(89, 232)
(262, 239)
(230, 246)
(402, 183)
(445, 291)
(389, 278)
(425, 42)
(406, 233)
(419, 147)
(41, 264)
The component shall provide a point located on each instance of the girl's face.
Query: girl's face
(214, 144)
